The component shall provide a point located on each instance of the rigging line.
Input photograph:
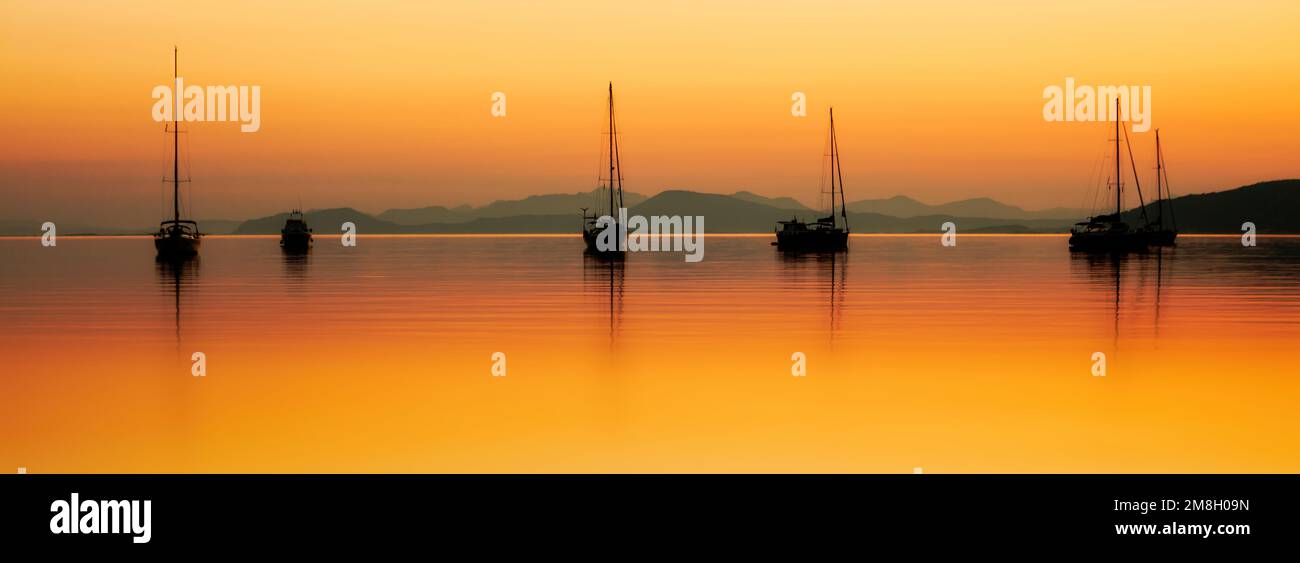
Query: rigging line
(1094, 187)
(838, 162)
(1160, 183)
(1142, 206)
(1164, 165)
(1104, 186)
(611, 155)
(830, 167)
(1094, 179)
(1104, 175)
(832, 163)
(162, 185)
(823, 172)
(618, 155)
(176, 139)
(597, 194)
(189, 179)
(1101, 186)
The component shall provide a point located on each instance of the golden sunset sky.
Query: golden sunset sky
(386, 104)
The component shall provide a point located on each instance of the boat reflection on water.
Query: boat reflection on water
(831, 274)
(294, 263)
(1133, 284)
(1103, 273)
(175, 275)
(604, 276)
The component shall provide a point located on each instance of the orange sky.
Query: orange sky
(378, 105)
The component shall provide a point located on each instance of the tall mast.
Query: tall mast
(1119, 182)
(839, 173)
(176, 142)
(610, 181)
(618, 159)
(832, 143)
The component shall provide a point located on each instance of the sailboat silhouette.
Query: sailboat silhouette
(176, 238)
(826, 233)
(592, 228)
(1109, 233)
(1159, 233)
(606, 276)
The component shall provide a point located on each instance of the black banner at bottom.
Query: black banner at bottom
(572, 513)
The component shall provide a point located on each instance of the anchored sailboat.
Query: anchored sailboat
(1158, 233)
(824, 234)
(592, 227)
(1109, 233)
(176, 238)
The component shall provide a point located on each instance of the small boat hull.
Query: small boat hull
(1108, 242)
(176, 245)
(296, 242)
(820, 240)
(296, 235)
(1162, 238)
(825, 234)
(591, 235)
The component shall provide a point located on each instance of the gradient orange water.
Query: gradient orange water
(386, 104)
(377, 358)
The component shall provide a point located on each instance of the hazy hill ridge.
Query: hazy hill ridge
(546, 204)
(1271, 205)
(905, 207)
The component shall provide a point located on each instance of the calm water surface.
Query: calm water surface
(378, 358)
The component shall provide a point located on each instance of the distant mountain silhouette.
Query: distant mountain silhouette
(548, 204)
(551, 204)
(331, 221)
(897, 206)
(1274, 207)
(219, 226)
(518, 224)
(729, 214)
(722, 213)
(33, 228)
(904, 207)
(321, 221)
(431, 214)
(777, 202)
(1270, 205)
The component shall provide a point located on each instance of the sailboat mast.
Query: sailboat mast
(832, 143)
(839, 173)
(609, 185)
(176, 142)
(1119, 182)
(618, 160)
